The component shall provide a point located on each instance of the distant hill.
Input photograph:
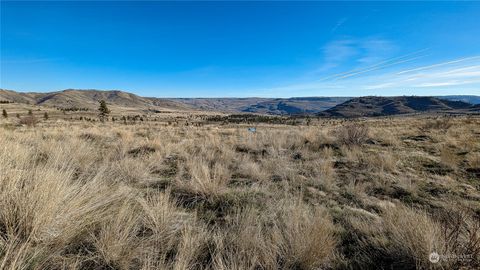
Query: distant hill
(220, 104)
(8, 95)
(384, 106)
(73, 98)
(324, 106)
(277, 106)
(465, 98)
(297, 105)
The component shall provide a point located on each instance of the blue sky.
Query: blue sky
(239, 49)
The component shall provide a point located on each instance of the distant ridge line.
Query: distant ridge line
(314, 105)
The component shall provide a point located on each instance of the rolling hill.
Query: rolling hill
(323, 106)
(384, 106)
(465, 98)
(277, 106)
(296, 105)
(73, 98)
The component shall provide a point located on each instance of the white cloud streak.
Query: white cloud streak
(439, 64)
(445, 74)
(383, 64)
(339, 24)
(456, 74)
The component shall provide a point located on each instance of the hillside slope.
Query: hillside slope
(465, 98)
(9, 95)
(297, 105)
(384, 106)
(72, 98)
(220, 104)
(276, 106)
(324, 106)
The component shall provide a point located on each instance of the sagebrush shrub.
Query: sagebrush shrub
(352, 134)
(29, 121)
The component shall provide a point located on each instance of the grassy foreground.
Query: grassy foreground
(381, 193)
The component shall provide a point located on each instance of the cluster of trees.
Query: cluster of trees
(103, 115)
(6, 101)
(5, 114)
(73, 109)
(29, 120)
(103, 109)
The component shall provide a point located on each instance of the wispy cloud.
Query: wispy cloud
(379, 65)
(457, 72)
(439, 64)
(339, 24)
(338, 52)
(372, 66)
(448, 83)
(379, 86)
(354, 52)
(375, 50)
(28, 60)
(378, 79)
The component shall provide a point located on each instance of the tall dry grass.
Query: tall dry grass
(113, 196)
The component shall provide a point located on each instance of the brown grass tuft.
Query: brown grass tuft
(352, 134)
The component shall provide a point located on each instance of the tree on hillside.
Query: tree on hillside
(30, 112)
(45, 116)
(4, 113)
(103, 110)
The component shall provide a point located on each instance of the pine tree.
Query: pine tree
(103, 110)
(45, 116)
(4, 113)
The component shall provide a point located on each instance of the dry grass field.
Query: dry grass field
(334, 194)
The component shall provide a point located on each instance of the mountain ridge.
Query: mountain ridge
(323, 106)
(372, 106)
(88, 98)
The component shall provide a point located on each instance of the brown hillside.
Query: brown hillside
(72, 98)
(384, 106)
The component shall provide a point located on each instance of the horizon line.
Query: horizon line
(234, 97)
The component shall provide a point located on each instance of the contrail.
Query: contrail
(439, 64)
(378, 65)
